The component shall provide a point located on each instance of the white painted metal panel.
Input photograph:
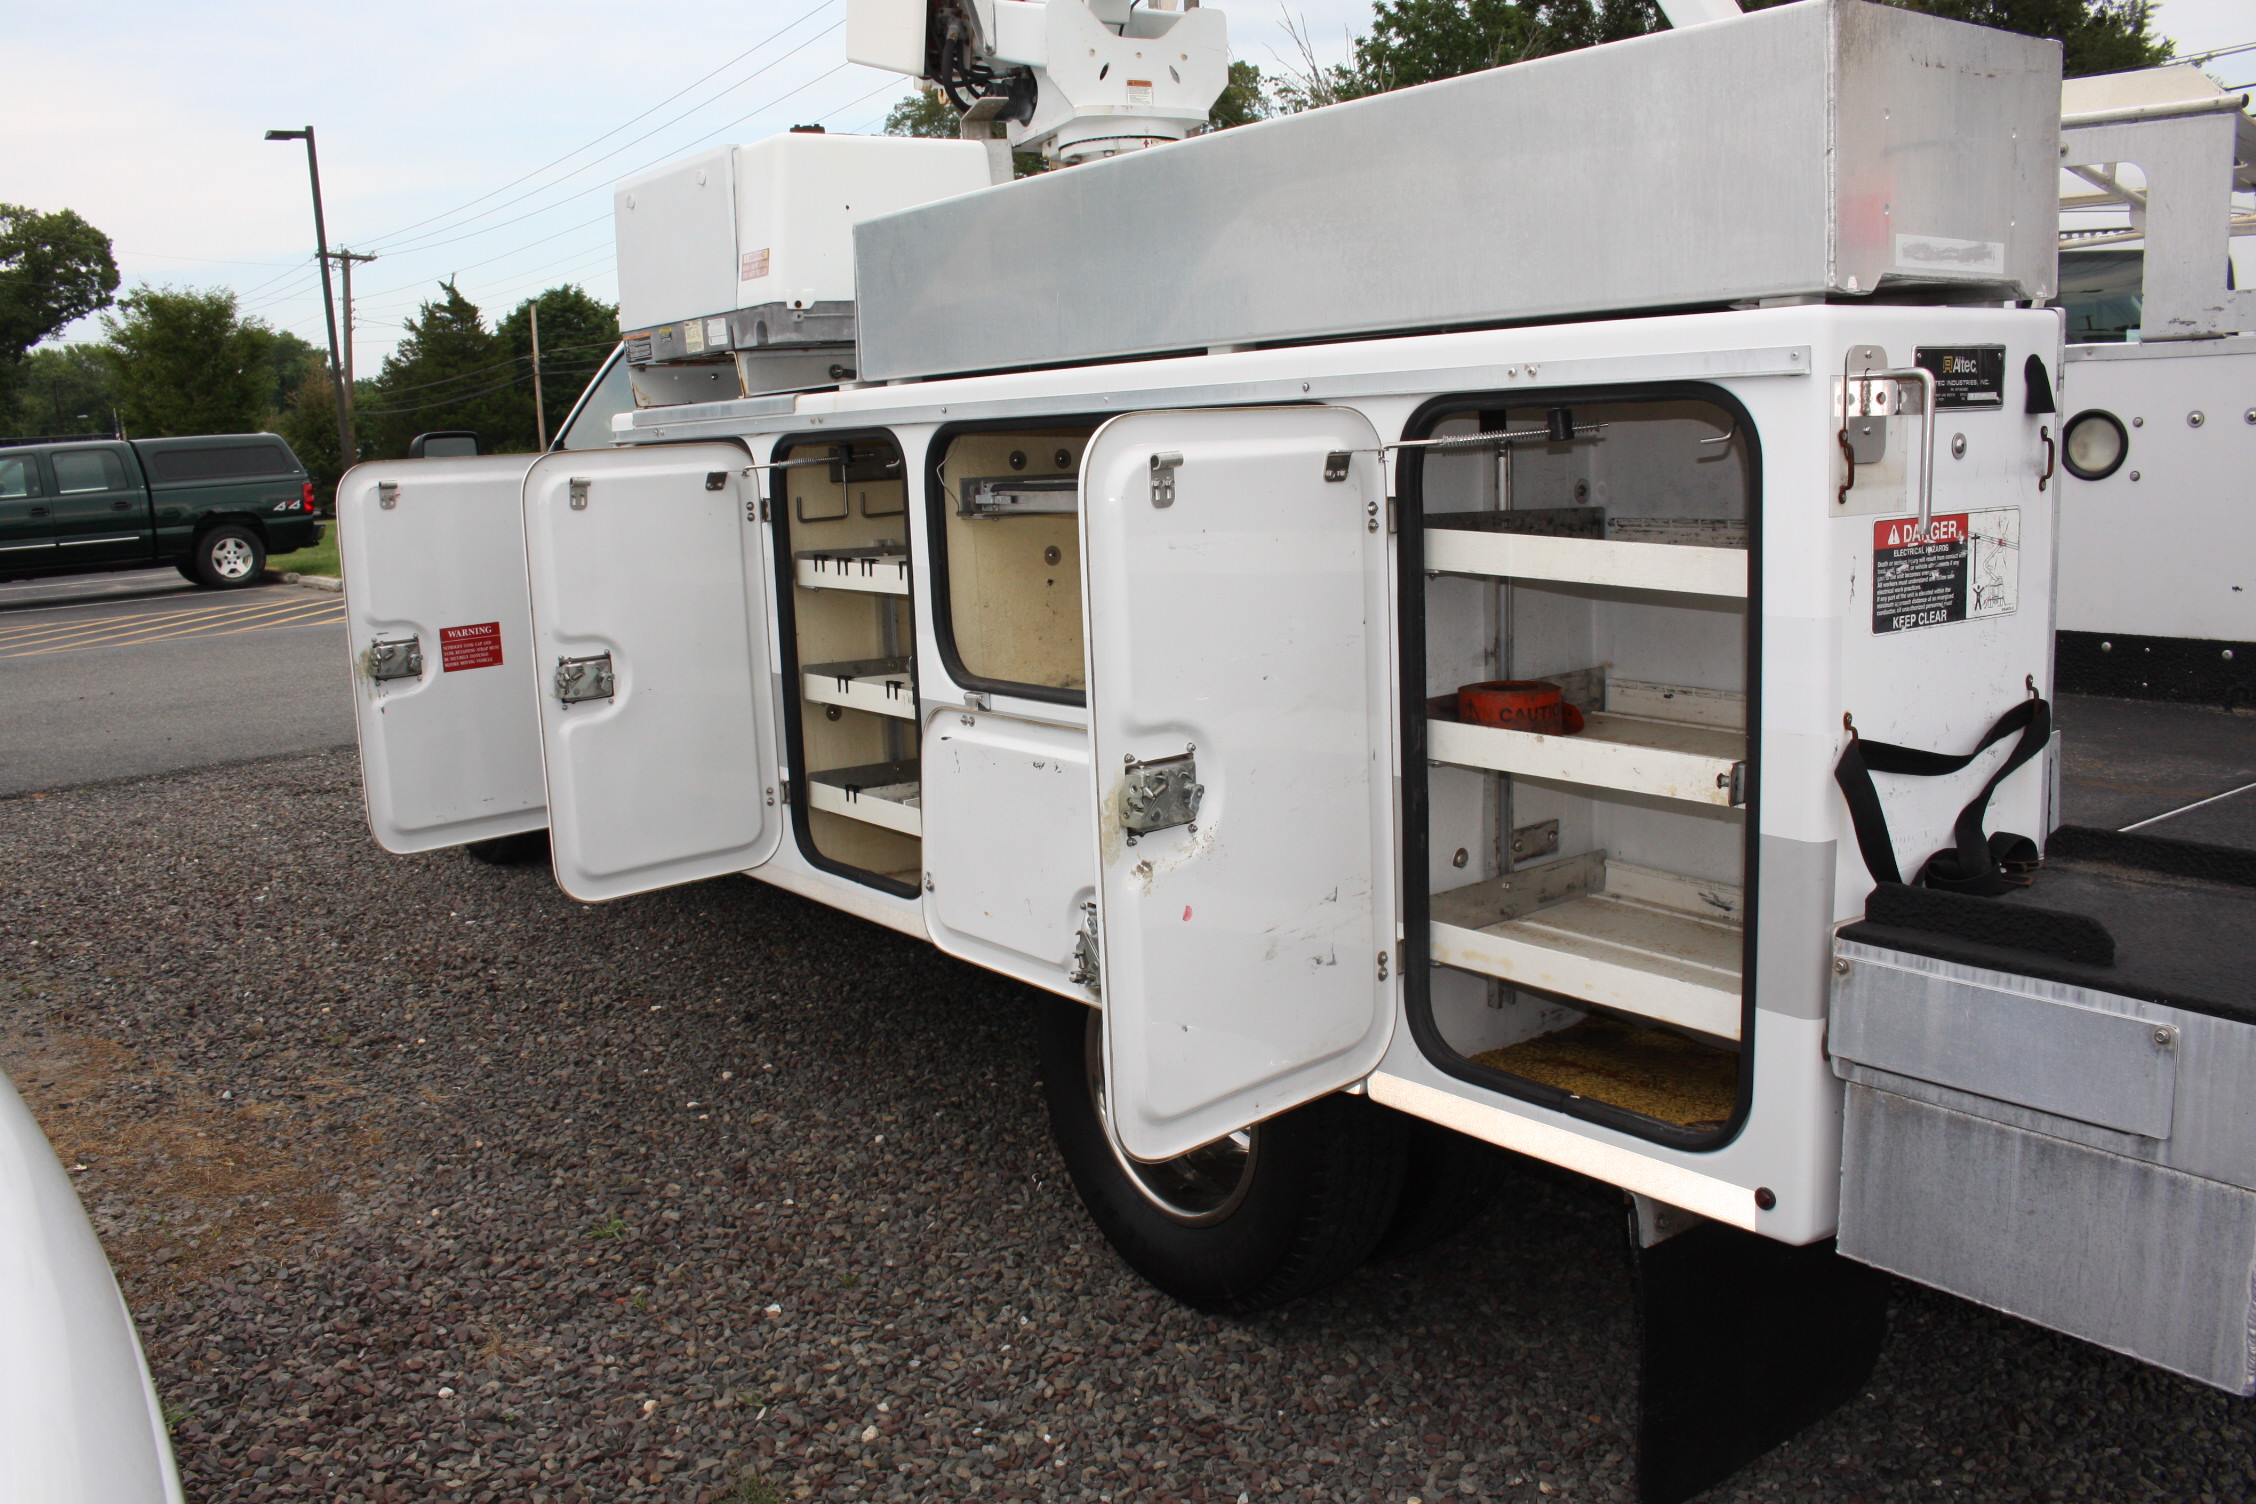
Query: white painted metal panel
(1008, 840)
(1247, 962)
(434, 551)
(671, 778)
(1589, 561)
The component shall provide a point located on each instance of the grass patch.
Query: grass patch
(319, 559)
(754, 1489)
(613, 1226)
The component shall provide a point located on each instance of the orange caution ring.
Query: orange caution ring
(1535, 705)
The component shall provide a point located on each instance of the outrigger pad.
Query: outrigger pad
(1742, 1343)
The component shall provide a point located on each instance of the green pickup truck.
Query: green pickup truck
(213, 507)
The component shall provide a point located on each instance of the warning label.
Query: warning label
(469, 647)
(1967, 566)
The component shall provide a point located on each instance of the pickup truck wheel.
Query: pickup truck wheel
(228, 557)
(1247, 1222)
(187, 568)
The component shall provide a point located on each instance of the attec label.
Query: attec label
(1967, 566)
(470, 647)
(1965, 375)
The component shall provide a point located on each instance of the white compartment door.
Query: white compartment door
(656, 697)
(1236, 610)
(442, 649)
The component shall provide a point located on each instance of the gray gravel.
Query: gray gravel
(427, 1182)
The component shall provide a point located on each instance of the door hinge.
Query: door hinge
(387, 494)
(1336, 463)
(1087, 969)
(580, 679)
(395, 658)
(579, 489)
(1735, 782)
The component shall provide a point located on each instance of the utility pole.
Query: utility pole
(328, 301)
(345, 260)
(540, 413)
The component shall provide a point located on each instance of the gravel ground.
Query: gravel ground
(426, 1182)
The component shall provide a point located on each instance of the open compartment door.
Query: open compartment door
(656, 697)
(442, 649)
(1235, 605)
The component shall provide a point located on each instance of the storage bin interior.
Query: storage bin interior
(1586, 885)
(1008, 516)
(845, 518)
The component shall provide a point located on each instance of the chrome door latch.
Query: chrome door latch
(395, 658)
(1163, 468)
(580, 679)
(1087, 970)
(1159, 795)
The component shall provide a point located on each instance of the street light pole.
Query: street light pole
(345, 454)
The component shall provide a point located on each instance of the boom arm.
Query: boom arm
(1080, 79)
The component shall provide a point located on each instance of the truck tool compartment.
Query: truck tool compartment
(1586, 909)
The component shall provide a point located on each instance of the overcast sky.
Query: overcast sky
(470, 140)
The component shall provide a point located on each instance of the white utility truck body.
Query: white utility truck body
(2158, 542)
(1115, 643)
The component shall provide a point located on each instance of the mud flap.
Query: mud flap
(1742, 1342)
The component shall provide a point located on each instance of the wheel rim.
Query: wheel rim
(1196, 1189)
(231, 558)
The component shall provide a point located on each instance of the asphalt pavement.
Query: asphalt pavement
(119, 675)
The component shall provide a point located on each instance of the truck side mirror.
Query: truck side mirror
(448, 444)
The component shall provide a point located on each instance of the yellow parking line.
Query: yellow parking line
(201, 608)
(304, 615)
(94, 634)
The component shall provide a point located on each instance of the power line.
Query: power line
(622, 125)
(615, 151)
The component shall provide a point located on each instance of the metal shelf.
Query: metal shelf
(881, 793)
(1631, 939)
(881, 686)
(1688, 569)
(880, 569)
(1668, 759)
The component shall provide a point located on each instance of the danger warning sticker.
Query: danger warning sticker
(1968, 566)
(469, 647)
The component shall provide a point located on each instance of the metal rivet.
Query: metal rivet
(2196, 418)
(1766, 1199)
(2138, 422)
(1051, 555)
(1958, 446)
(1840, 966)
(2228, 655)
(2107, 647)
(1461, 858)
(832, 712)
(2163, 1036)
(2249, 416)
(2134, 475)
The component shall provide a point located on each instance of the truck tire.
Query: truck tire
(1239, 1225)
(1449, 1180)
(525, 847)
(187, 568)
(229, 557)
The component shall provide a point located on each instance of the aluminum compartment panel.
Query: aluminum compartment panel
(1810, 149)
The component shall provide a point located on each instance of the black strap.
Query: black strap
(1977, 863)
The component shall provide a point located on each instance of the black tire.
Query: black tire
(187, 568)
(1449, 1180)
(511, 851)
(229, 557)
(1315, 1193)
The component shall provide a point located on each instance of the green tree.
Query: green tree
(54, 269)
(308, 423)
(1243, 100)
(449, 372)
(2095, 36)
(577, 333)
(925, 113)
(63, 389)
(187, 362)
(290, 363)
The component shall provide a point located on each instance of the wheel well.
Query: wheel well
(206, 524)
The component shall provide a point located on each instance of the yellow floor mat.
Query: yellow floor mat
(1650, 1071)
